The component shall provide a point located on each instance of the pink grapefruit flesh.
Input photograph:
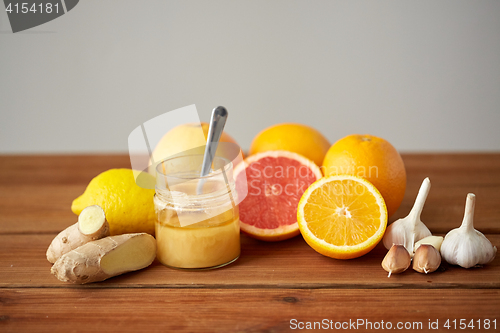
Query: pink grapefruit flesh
(276, 181)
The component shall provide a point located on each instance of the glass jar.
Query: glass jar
(197, 225)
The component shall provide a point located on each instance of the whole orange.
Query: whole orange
(297, 138)
(372, 158)
(183, 138)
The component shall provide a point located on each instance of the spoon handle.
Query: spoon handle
(219, 116)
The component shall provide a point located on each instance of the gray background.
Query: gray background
(423, 74)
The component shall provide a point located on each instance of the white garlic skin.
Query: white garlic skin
(466, 246)
(407, 231)
(402, 233)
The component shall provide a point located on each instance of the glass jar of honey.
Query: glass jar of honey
(197, 225)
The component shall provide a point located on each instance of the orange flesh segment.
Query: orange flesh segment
(342, 213)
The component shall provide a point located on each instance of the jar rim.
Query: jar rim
(217, 172)
(166, 192)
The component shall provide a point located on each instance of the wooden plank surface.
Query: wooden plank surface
(269, 285)
(36, 191)
(239, 310)
(57, 169)
(47, 209)
(287, 264)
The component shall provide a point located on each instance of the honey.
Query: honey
(196, 230)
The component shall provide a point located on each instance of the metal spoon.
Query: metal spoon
(219, 116)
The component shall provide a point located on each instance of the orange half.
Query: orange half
(342, 216)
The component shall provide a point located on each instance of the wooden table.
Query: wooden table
(267, 289)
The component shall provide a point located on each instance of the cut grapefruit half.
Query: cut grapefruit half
(276, 181)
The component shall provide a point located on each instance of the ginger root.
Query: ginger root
(91, 225)
(104, 258)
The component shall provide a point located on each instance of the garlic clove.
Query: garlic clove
(466, 246)
(397, 260)
(435, 241)
(408, 230)
(426, 259)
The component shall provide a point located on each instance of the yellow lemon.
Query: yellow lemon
(183, 138)
(342, 216)
(128, 207)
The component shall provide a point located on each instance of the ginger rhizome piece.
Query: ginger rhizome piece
(104, 258)
(91, 225)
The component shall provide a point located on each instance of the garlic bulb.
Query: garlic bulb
(408, 230)
(465, 246)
